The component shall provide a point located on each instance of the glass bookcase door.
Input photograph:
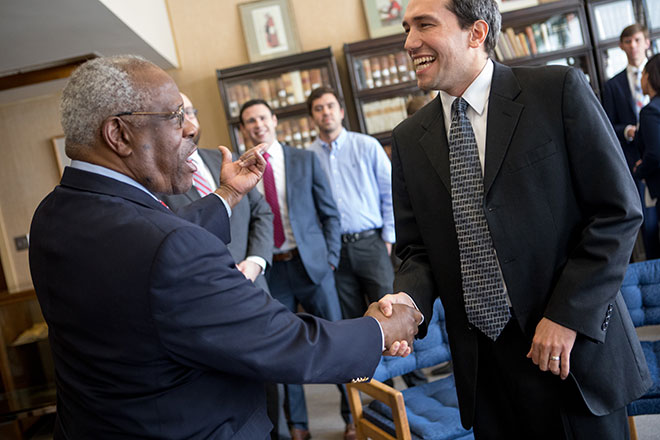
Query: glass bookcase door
(611, 18)
(279, 90)
(555, 33)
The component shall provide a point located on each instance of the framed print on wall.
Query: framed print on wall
(60, 155)
(384, 17)
(269, 28)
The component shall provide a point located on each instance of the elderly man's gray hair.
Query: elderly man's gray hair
(97, 89)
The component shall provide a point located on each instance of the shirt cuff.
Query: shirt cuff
(382, 334)
(224, 202)
(260, 261)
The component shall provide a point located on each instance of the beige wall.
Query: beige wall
(208, 35)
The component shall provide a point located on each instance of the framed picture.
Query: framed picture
(384, 17)
(60, 156)
(269, 28)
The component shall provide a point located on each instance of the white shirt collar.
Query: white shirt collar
(476, 94)
(275, 150)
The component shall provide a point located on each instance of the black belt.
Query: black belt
(286, 256)
(355, 236)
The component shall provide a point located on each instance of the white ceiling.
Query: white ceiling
(34, 33)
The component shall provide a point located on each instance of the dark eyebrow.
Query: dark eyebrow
(422, 17)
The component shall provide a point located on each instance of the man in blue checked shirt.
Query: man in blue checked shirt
(360, 175)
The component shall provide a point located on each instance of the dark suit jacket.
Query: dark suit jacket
(155, 334)
(562, 222)
(620, 108)
(648, 143)
(312, 212)
(251, 221)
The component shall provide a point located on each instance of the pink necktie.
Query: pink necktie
(201, 184)
(271, 198)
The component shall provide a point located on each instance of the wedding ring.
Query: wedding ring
(554, 358)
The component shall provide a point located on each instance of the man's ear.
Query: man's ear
(478, 33)
(117, 135)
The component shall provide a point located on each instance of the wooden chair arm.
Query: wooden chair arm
(390, 397)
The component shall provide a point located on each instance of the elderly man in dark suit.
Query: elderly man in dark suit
(154, 332)
(623, 99)
(503, 210)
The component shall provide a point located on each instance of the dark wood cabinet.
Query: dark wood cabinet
(285, 83)
(555, 32)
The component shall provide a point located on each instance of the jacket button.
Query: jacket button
(604, 326)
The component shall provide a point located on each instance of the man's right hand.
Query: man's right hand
(399, 328)
(239, 177)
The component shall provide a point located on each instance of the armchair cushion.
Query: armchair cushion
(432, 411)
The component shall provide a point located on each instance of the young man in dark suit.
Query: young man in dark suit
(154, 332)
(513, 203)
(623, 98)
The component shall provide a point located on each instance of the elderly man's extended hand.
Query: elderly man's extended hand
(399, 329)
(237, 178)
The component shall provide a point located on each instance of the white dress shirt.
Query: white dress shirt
(276, 161)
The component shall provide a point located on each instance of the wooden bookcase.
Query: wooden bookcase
(382, 79)
(285, 83)
(555, 32)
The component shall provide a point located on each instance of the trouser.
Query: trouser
(364, 275)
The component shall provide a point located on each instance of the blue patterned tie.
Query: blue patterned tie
(483, 289)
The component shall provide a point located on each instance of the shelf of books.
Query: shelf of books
(554, 32)
(285, 83)
(382, 79)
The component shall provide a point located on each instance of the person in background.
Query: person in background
(623, 98)
(360, 176)
(647, 139)
(514, 205)
(306, 234)
(154, 332)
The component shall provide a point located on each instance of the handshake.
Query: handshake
(399, 322)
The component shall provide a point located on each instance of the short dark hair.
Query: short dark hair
(469, 11)
(317, 93)
(631, 30)
(251, 103)
(652, 69)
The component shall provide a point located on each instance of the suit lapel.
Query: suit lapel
(213, 163)
(503, 116)
(434, 141)
(625, 85)
(289, 172)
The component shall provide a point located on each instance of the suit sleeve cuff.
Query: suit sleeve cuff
(224, 202)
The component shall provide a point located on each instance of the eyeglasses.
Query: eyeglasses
(190, 111)
(178, 114)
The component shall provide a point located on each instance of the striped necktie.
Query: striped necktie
(483, 288)
(201, 184)
(639, 94)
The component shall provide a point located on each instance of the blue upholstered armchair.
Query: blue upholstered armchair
(428, 411)
(641, 292)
